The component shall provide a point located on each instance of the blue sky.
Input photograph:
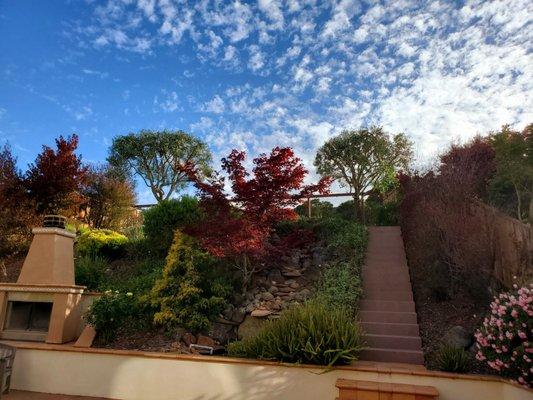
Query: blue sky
(253, 75)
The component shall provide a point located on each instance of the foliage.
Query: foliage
(16, 210)
(56, 179)
(109, 199)
(103, 242)
(185, 296)
(453, 359)
(505, 339)
(449, 241)
(161, 220)
(514, 171)
(365, 159)
(340, 286)
(90, 270)
(319, 209)
(312, 333)
(159, 158)
(238, 229)
(111, 312)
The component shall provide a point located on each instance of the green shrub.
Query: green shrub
(452, 359)
(340, 286)
(102, 242)
(312, 333)
(90, 270)
(139, 279)
(163, 219)
(111, 312)
(185, 296)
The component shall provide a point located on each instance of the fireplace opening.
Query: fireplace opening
(28, 316)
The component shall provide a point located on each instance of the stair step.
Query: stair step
(383, 294)
(394, 342)
(392, 355)
(380, 328)
(353, 389)
(387, 305)
(388, 317)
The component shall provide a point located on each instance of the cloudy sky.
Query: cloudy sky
(253, 75)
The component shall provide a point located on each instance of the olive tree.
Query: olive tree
(364, 160)
(160, 158)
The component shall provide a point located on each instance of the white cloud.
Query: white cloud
(256, 60)
(216, 105)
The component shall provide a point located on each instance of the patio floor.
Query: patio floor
(23, 395)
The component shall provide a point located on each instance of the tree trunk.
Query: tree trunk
(518, 203)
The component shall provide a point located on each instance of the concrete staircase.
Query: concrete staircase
(368, 390)
(387, 311)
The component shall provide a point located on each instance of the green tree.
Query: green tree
(364, 160)
(160, 158)
(514, 168)
(110, 198)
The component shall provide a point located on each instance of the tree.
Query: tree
(56, 179)
(110, 198)
(159, 158)
(514, 167)
(16, 210)
(238, 228)
(364, 160)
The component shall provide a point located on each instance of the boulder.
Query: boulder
(267, 296)
(188, 338)
(238, 315)
(250, 327)
(261, 313)
(203, 340)
(457, 337)
(291, 272)
(273, 289)
(223, 333)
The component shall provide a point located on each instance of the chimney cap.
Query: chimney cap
(54, 221)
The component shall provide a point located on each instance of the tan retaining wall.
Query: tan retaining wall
(153, 376)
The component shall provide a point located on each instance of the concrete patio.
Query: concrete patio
(23, 395)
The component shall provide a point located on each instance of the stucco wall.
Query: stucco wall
(154, 377)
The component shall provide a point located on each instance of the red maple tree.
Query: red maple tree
(55, 180)
(238, 228)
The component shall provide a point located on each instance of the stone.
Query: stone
(250, 327)
(267, 296)
(457, 337)
(238, 315)
(291, 273)
(188, 338)
(305, 293)
(275, 276)
(203, 340)
(294, 285)
(261, 313)
(273, 289)
(221, 332)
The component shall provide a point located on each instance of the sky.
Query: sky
(254, 75)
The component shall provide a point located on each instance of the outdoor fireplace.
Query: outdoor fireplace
(45, 303)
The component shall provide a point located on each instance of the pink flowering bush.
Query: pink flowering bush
(506, 337)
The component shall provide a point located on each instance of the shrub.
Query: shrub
(184, 296)
(161, 220)
(312, 333)
(504, 341)
(101, 242)
(111, 312)
(340, 286)
(90, 270)
(452, 359)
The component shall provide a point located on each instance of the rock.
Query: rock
(273, 289)
(291, 273)
(305, 293)
(306, 263)
(457, 337)
(267, 296)
(203, 340)
(188, 338)
(261, 313)
(223, 333)
(284, 289)
(275, 276)
(294, 285)
(250, 327)
(228, 312)
(238, 315)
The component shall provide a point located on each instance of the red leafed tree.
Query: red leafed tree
(55, 180)
(238, 228)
